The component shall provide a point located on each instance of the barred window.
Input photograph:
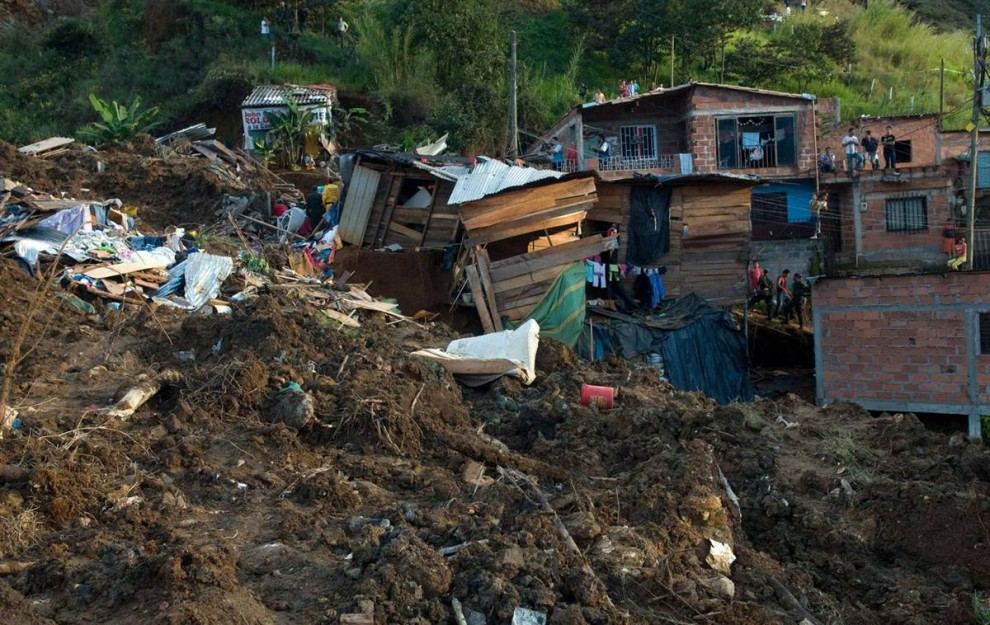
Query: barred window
(985, 334)
(909, 214)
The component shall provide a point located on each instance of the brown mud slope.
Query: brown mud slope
(202, 510)
(174, 190)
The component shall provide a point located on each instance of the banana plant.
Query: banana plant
(119, 122)
(289, 132)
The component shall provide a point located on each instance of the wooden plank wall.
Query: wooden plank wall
(714, 257)
(536, 209)
(518, 283)
(390, 222)
(359, 205)
(712, 260)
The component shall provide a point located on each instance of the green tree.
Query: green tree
(469, 45)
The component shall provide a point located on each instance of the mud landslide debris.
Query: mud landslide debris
(394, 490)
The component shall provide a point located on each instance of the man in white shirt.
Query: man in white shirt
(342, 28)
(266, 28)
(850, 145)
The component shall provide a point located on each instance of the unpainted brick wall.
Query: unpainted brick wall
(900, 355)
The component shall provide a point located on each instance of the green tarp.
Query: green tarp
(561, 312)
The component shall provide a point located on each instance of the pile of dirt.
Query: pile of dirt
(170, 190)
(205, 508)
(300, 471)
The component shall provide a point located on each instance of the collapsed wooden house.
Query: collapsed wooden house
(516, 229)
(707, 234)
(522, 229)
(399, 199)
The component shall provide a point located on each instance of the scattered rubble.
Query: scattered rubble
(303, 466)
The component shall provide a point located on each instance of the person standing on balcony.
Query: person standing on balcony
(604, 151)
(889, 142)
(819, 204)
(959, 255)
(827, 162)
(850, 145)
(870, 144)
(557, 154)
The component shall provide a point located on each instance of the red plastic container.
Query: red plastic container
(601, 396)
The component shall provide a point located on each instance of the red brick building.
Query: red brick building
(701, 127)
(884, 218)
(908, 343)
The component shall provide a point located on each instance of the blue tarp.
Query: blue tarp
(702, 348)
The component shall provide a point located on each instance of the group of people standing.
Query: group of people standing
(859, 151)
(785, 297)
(293, 21)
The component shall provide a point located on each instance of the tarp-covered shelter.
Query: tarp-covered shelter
(701, 346)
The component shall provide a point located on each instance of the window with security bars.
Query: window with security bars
(907, 214)
(638, 142)
(985, 334)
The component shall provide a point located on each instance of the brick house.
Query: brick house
(879, 218)
(908, 343)
(706, 128)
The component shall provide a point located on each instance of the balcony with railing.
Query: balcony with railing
(661, 163)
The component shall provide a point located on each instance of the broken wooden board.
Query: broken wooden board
(484, 264)
(121, 269)
(49, 206)
(345, 320)
(480, 302)
(45, 145)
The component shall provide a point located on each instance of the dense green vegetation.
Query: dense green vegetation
(433, 66)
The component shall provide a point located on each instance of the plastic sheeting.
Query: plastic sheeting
(562, 310)
(203, 274)
(649, 225)
(702, 348)
(478, 360)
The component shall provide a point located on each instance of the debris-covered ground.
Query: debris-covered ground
(381, 490)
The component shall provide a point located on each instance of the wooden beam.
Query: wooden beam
(484, 271)
(525, 226)
(550, 257)
(409, 233)
(477, 293)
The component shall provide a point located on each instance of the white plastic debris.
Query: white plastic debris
(523, 616)
(720, 556)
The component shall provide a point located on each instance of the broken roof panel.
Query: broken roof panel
(274, 95)
(491, 176)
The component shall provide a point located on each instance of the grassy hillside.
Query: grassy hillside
(949, 14)
(425, 69)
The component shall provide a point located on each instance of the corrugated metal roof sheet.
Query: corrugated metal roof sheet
(274, 95)
(492, 176)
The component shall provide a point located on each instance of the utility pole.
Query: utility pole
(941, 93)
(671, 61)
(514, 103)
(979, 58)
